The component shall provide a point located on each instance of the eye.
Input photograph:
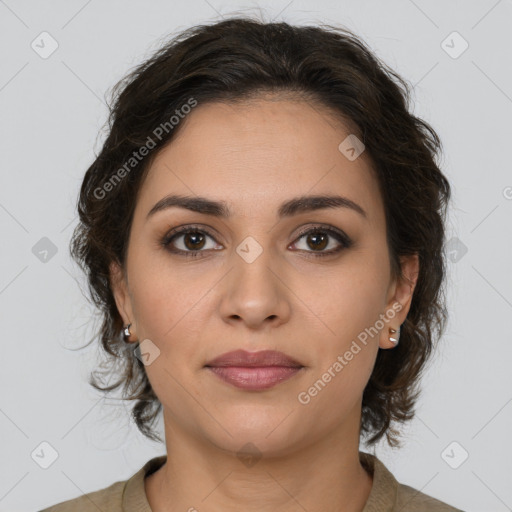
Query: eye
(192, 241)
(318, 238)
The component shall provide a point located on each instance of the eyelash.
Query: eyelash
(341, 237)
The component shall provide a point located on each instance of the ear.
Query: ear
(119, 287)
(400, 298)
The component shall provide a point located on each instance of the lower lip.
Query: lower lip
(254, 378)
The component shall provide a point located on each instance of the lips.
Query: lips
(254, 371)
(264, 358)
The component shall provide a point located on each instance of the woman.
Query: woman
(264, 226)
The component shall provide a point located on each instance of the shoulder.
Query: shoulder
(410, 499)
(117, 496)
(389, 495)
(108, 499)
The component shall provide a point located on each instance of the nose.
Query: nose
(255, 293)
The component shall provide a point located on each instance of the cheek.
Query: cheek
(344, 304)
(168, 304)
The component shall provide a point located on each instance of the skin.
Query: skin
(254, 156)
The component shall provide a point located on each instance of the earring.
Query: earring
(126, 332)
(396, 338)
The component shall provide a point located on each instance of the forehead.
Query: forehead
(259, 154)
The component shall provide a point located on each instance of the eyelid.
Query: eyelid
(185, 228)
(342, 238)
(210, 231)
(324, 227)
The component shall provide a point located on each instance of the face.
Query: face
(261, 278)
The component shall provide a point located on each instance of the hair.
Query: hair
(236, 60)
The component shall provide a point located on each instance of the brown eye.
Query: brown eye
(319, 238)
(193, 240)
(188, 241)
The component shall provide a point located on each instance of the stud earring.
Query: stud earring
(396, 338)
(126, 332)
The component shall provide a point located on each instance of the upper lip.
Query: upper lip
(254, 359)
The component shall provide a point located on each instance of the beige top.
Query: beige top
(387, 495)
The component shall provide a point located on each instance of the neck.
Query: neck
(325, 475)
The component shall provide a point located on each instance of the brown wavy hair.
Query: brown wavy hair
(235, 60)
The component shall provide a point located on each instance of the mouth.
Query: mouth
(262, 358)
(254, 370)
(254, 378)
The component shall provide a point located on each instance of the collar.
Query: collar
(381, 499)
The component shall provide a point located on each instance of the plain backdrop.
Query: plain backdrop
(458, 447)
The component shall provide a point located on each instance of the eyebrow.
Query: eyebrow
(287, 209)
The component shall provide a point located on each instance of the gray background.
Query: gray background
(52, 110)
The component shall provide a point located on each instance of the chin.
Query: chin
(264, 434)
